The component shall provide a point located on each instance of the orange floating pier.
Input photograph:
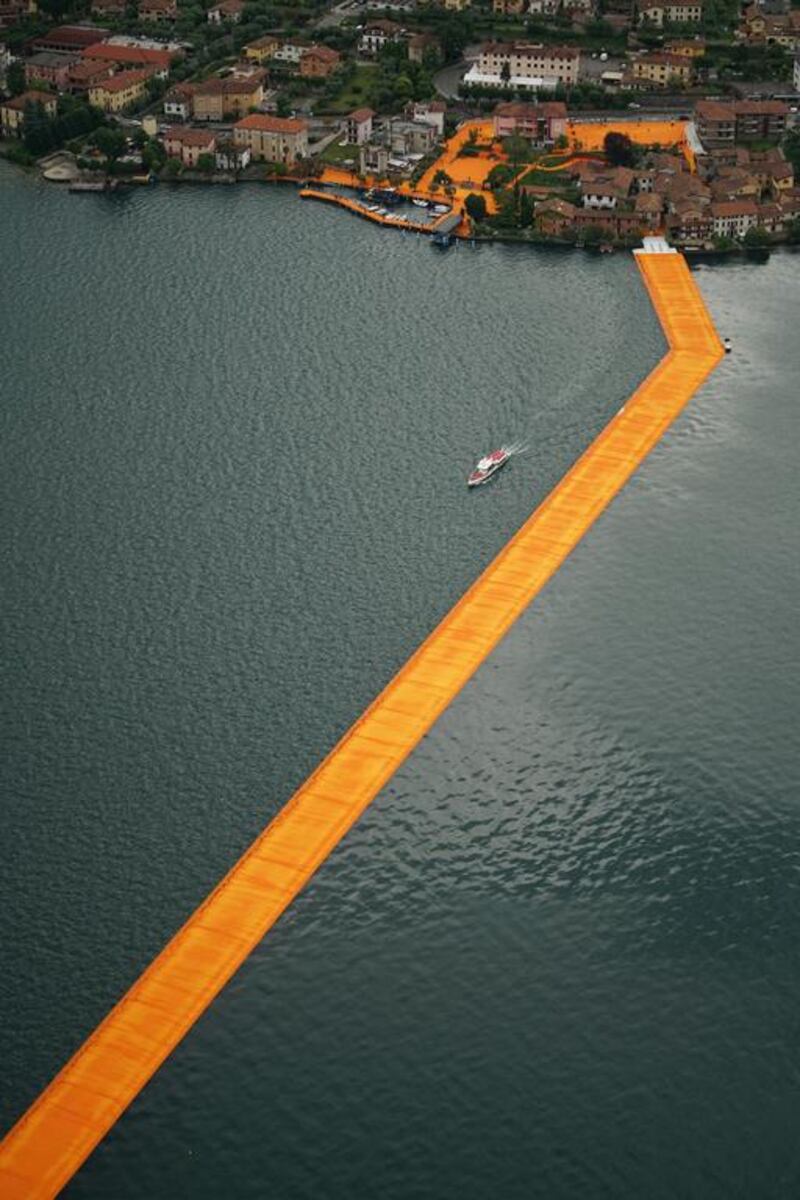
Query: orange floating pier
(51, 1141)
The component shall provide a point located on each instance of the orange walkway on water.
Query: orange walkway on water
(361, 211)
(51, 1141)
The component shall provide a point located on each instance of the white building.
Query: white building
(733, 218)
(525, 65)
(669, 14)
(796, 76)
(376, 34)
(230, 156)
(429, 112)
(290, 52)
(178, 102)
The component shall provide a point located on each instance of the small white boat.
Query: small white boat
(441, 208)
(488, 466)
(419, 203)
(727, 345)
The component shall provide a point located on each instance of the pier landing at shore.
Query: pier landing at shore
(51, 1141)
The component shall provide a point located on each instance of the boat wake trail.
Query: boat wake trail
(517, 448)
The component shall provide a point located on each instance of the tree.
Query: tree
(476, 207)
(757, 236)
(441, 177)
(592, 235)
(153, 155)
(110, 142)
(39, 137)
(505, 72)
(206, 163)
(518, 150)
(172, 168)
(619, 149)
(499, 176)
(15, 78)
(284, 107)
(791, 148)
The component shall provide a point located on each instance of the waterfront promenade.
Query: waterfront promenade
(76, 1110)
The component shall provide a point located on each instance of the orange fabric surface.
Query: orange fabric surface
(353, 206)
(589, 135)
(49, 1143)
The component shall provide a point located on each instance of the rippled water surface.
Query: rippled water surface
(557, 957)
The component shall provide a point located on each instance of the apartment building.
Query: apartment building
(120, 91)
(662, 69)
(273, 139)
(670, 14)
(525, 65)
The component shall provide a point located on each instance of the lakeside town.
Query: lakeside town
(593, 122)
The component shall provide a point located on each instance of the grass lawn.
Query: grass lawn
(550, 179)
(356, 92)
(336, 154)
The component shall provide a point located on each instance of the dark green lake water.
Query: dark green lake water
(558, 956)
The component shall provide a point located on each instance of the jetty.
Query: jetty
(445, 222)
(62, 1127)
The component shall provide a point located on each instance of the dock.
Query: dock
(449, 219)
(62, 1127)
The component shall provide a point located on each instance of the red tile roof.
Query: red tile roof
(190, 137)
(659, 58)
(271, 124)
(82, 72)
(322, 52)
(734, 208)
(133, 55)
(360, 115)
(123, 80)
(760, 108)
(76, 36)
(713, 110)
(20, 103)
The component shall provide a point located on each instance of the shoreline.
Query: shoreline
(517, 237)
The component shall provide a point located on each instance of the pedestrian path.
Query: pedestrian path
(51, 1141)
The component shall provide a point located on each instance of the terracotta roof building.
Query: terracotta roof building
(233, 96)
(119, 91)
(108, 8)
(49, 67)
(273, 139)
(318, 62)
(189, 144)
(70, 39)
(358, 126)
(733, 218)
(83, 74)
(542, 123)
(554, 217)
(13, 112)
(158, 10)
(131, 56)
(662, 69)
(228, 11)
